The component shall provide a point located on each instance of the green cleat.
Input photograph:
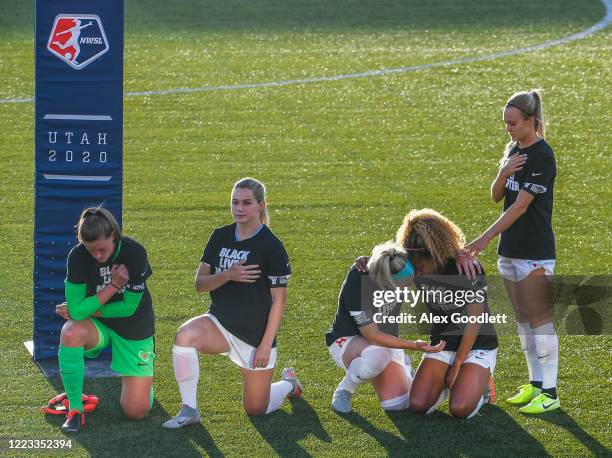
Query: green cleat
(525, 394)
(540, 404)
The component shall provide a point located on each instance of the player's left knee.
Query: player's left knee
(255, 407)
(460, 409)
(254, 411)
(135, 411)
(419, 405)
(372, 362)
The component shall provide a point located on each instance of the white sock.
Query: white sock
(443, 397)
(529, 350)
(400, 402)
(547, 349)
(347, 384)
(278, 393)
(480, 402)
(187, 373)
(408, 368)
(362, 369)
(372, 362)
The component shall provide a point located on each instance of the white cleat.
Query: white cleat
(289, 375)
(186, 416)
(342, 401)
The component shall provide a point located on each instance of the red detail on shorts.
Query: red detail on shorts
(341, 341)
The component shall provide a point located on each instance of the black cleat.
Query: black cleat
(75, 420)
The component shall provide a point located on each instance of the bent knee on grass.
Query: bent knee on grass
(134, 411)
(419, 405)
(460, 408)
(255, 409)
(255, 399)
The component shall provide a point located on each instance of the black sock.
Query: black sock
(536, 384)
(552, 392)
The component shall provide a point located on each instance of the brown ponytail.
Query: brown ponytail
(97, 223)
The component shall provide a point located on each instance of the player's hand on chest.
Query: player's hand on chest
(515, 181)
(245, 265)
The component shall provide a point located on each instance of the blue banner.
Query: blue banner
(78, 139)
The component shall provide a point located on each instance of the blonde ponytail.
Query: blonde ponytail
(387, 259)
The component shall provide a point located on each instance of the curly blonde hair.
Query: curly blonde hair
(427, 233)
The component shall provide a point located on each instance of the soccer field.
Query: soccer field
(343, 159)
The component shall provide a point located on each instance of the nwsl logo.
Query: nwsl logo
(77, 39)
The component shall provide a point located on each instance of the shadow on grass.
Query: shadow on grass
(108, 433)
(563, 420)
(283, 430)
(492, 432)
(385, 439)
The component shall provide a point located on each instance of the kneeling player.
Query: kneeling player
(366, 350)
(464, 369)
(246, 270)
(107, 303)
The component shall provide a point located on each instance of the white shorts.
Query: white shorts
(337, 349)
(241, 352)
(484, 358)
(517, 269)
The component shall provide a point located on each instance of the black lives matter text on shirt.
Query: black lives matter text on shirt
(82, 268)
(531, 235)
(356, 308)
(243, 308)
(445, 329)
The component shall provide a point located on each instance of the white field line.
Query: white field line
(601, 24)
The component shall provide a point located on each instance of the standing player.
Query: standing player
(526, 247)
(107, 303)
(246, 270)
(463, 370)
(366, 345)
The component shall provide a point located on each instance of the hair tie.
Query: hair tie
(407, 271)
(526, 113)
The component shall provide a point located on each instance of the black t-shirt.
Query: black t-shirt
(531, 235)
(356, 308)
(82, 268)
(439, 289)
(243, 308)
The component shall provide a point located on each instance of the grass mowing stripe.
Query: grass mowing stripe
(601, 24)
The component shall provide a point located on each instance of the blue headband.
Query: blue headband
(407, 271)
